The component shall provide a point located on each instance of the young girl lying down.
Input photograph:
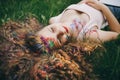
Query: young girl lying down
(79, 21)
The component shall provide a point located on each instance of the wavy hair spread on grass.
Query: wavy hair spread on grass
(18, 62)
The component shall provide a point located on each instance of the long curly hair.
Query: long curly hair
(18, 62)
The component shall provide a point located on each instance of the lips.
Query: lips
(66, 29)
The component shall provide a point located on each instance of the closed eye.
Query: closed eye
(52, 29)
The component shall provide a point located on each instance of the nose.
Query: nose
(60, 33)
(62, 37)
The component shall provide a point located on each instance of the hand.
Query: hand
(94, 3)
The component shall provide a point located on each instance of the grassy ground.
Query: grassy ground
(41, 9)
(106, 63)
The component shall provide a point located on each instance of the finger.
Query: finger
(91, 4)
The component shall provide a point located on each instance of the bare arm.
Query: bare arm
(112, 21)
(100, 35)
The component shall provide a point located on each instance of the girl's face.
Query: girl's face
(58, 33)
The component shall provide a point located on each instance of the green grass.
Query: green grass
(106, 63)
(41, 9)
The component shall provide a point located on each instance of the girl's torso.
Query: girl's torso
(70, 15)
(87, 16)
(83, 12)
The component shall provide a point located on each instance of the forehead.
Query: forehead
(46, 28)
